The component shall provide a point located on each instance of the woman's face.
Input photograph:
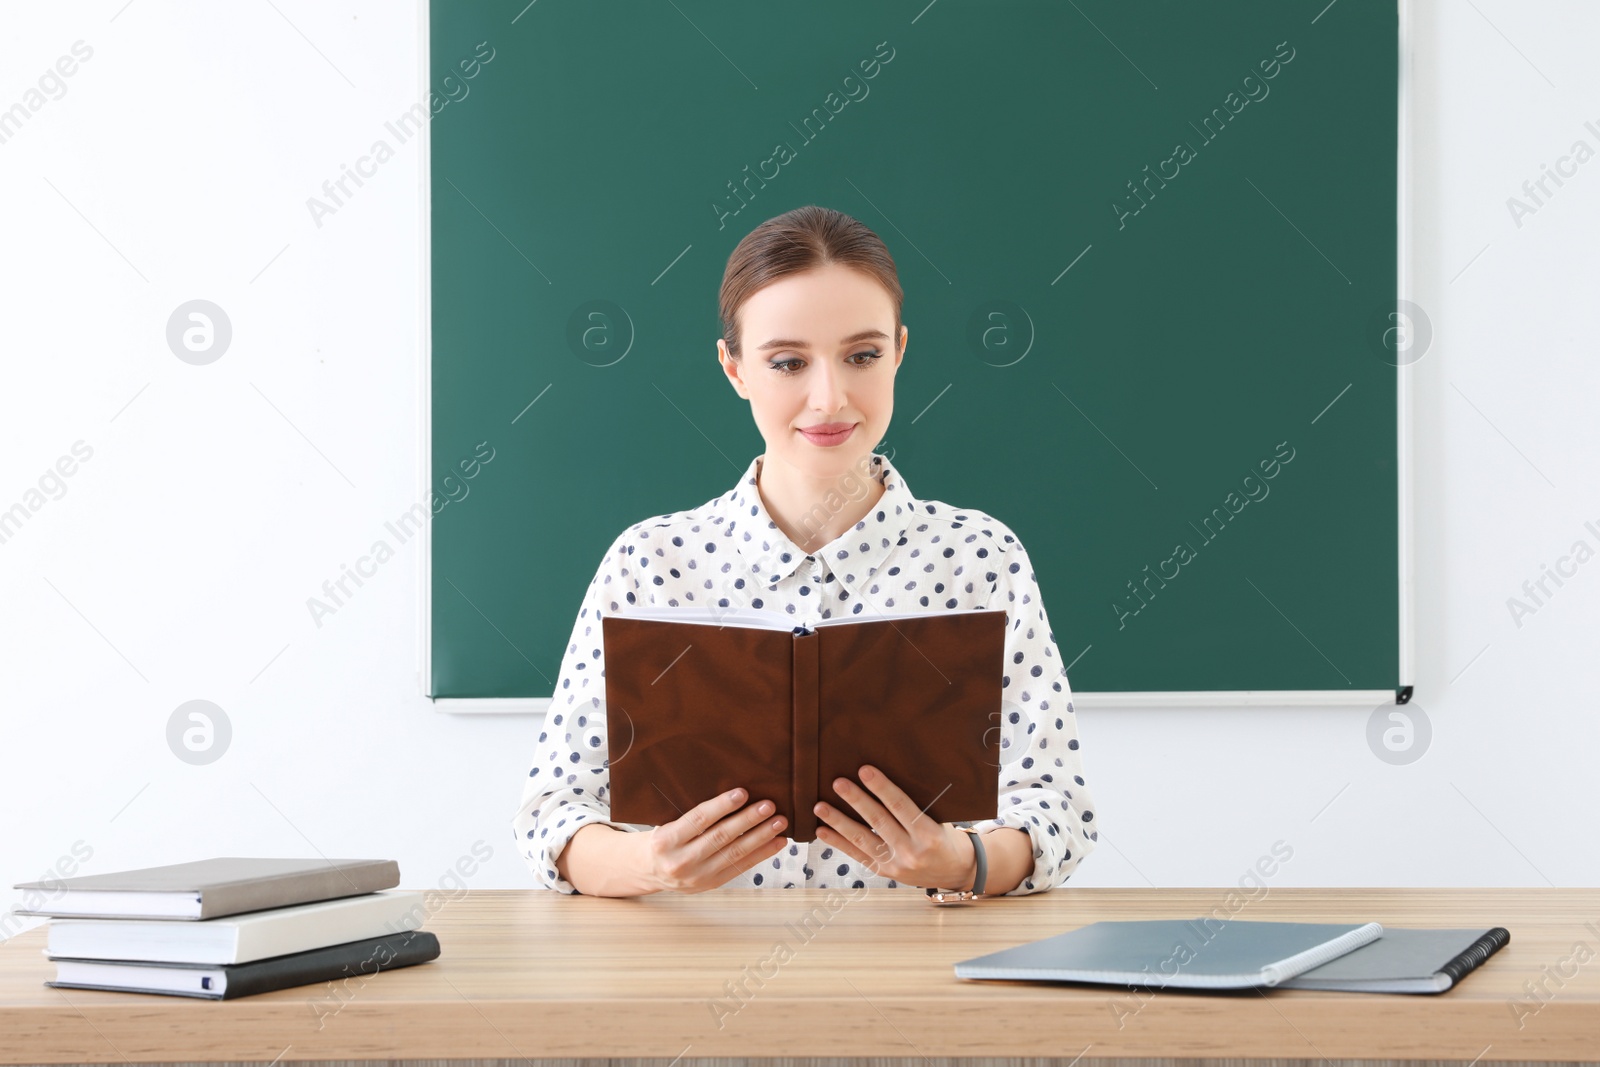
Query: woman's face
(817, 351)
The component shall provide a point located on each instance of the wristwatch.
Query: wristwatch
(951, 896)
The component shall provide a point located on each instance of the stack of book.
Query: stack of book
(231, 926)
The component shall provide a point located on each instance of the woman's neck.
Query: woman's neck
(813, 512)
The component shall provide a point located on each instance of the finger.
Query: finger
(840, 821)
(733, 868)
(859, 841)
(834, 839)
(700, 818)
(745, 824)
(876, 816)
(744, 850)
(898, 803)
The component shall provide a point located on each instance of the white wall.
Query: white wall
(177, 563)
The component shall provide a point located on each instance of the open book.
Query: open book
(700, 700)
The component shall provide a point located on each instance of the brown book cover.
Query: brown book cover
(700, 701)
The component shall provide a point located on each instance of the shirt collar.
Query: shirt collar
(769, 555)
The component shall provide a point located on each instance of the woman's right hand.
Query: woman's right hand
(712, 843)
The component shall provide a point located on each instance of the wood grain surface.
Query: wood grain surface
(805, 974)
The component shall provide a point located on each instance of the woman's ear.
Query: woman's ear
(730, 367)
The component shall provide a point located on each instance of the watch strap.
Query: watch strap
(948, 896)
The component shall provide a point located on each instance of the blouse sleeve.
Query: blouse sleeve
(1042, 788)
(571, 770)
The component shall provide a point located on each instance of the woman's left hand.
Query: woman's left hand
(899, 841)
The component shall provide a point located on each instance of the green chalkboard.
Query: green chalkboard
(1149, 256)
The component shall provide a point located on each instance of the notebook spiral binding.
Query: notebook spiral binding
(1315, 957)
(1493, 939)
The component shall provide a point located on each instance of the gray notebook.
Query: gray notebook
(1202, 953)
(1406, 960)
(206, 889)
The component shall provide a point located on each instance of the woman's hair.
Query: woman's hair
(799, 240)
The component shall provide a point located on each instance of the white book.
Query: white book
(237, 938)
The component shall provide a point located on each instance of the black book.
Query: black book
(226, 981)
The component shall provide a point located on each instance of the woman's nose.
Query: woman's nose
(827, 388)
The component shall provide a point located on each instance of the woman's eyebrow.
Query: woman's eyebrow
(864, 335)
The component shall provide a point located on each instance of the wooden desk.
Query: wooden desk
(535, 975)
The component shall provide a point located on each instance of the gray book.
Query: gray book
(1406, 960)
(1201, 953)
(209, 888)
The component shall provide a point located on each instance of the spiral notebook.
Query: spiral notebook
(1201, 953)
(1406, 960)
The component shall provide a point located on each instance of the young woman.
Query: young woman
(818, 524)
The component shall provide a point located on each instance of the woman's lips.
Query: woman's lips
(827, 440)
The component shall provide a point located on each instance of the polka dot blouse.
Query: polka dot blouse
(905, 555)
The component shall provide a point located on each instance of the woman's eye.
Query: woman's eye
(789, 366)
